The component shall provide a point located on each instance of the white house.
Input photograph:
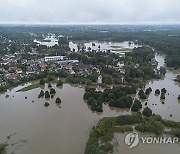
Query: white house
(54, 58)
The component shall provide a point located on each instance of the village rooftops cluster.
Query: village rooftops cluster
(14, 68)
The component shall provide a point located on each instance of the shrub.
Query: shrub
(148, 91)
(136, 106)
(46, 104)
(52, 91)
(157, 91)
(147, 112)
(162, 96)
(179, 97)
(163, 90)
(60, 83)
(58, 100)
(49, 85)
(47, 95)
(42, 82)
(41, 94)
(50, 78)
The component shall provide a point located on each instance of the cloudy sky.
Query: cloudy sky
(89, 11)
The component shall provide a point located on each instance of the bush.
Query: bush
(179, 97)
(87, 95)
(52, 91)
(60, 83)
(49, 85)
(155, 127)
(162, 96)
(129, 119)
(136, 106)
(58, 100)
(148, 91)
(42, 82)
(50, 78)
(143, 96)
(41, 94)
(157, 91)
(47, 95)
(163, 90)
(147, 112)
(46, 104)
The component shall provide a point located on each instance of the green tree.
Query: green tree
(163, 90)
(60, 83)
(49, 85)
(147, 112)
(136, 106)
(52, 91)
(47, 95)
(58, 100)
(157, 91)
(42, 82)
(41, 94)
(46, 104)
(162, 70)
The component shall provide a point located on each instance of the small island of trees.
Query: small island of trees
(58, 100)
(47, 95)
(41, 94)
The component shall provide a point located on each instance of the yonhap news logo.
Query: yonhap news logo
(133, 139)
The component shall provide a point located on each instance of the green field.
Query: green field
(30, 87)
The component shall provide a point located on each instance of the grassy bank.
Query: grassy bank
(30, 87)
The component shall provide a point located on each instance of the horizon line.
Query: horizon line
(61, 24)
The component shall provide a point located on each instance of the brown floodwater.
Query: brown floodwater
(171, 104)
(31, 128)
(36, 129)
(121, 148)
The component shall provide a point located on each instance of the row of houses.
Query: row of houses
(12, 71)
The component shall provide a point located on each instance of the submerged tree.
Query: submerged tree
(52, 91)
(58, 100)
(49, 85)
(60, 83)
(136, 106)
(147, 112)
(157, 92)
(179, 97)
(41, 94)
(46, 104)
(47, 95)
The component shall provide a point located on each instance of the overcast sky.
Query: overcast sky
(90, 11)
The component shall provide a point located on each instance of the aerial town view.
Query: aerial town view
(89, 77)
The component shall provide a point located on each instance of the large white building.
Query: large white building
(54, 58)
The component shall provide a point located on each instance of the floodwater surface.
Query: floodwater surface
(34, 128)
